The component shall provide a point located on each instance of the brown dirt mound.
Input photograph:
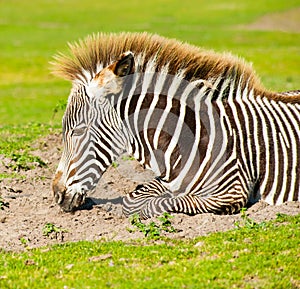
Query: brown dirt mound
(31, 206)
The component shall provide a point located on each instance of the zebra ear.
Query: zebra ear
(125, 65)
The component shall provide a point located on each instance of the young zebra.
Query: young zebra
(215, 138)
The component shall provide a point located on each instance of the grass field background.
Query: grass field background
(264, 255)
(33, 31)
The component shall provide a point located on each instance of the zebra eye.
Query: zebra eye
(78, 131)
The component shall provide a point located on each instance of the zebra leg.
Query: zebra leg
(152, 199)
(226, 202)
(148, 200)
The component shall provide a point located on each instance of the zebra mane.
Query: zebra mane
(89, 56)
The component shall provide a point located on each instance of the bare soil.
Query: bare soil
(29, 206)
(285, 21)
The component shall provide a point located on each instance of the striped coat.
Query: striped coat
(214, 136)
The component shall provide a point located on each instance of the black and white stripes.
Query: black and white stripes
(215, 143)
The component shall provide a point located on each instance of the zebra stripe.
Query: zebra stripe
(215, 141)
(238, 107)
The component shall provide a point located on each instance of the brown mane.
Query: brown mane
(101, 49)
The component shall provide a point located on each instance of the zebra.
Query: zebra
(216, 139)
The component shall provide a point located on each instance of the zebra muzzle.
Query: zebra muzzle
(72, 201)
(67, 200)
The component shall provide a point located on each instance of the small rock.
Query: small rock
(69, 266)
(247, 241)
(236, 254)
(111, 263)
(199, 244)
(29, 262)
(3, 219)
(3, 277)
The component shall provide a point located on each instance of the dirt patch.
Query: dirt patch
(287, 21)
(31, 207)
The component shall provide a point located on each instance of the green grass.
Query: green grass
(260, 257)
(16, 145)
(17, 137)
(31, 32)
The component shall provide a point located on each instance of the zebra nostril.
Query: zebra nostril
(59, 194)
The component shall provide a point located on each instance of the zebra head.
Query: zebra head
(92, 134)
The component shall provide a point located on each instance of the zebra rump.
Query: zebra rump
(214, 136)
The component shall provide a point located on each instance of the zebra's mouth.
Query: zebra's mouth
(69, 201)
(72, 201)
